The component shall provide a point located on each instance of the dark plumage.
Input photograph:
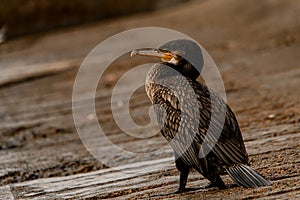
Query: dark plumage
(184, 112)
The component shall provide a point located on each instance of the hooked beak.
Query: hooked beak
(164, 55)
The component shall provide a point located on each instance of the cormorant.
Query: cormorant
(171, 84)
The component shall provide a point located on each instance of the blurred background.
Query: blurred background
(19, 17)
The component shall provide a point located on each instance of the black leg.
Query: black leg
(182, 182)
(184, 172)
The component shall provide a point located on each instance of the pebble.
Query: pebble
(271, 116)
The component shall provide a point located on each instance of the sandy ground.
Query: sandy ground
(255, 45)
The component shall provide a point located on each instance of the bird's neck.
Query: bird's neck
(161, 71)
(186, 69)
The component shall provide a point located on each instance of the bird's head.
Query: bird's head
(183, 55)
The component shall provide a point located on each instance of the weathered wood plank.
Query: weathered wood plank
(148, 177)
(136, 180)
(5, 193)
(9, 76)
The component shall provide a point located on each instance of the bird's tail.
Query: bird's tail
(245, 176)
